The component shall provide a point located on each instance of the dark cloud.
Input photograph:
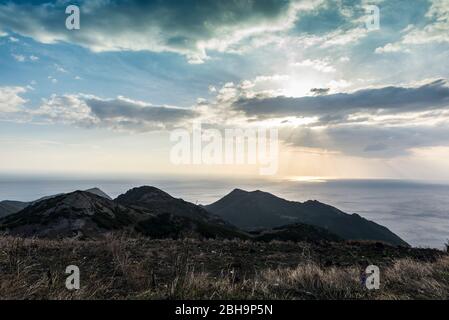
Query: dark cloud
(118, 114)
(129, 110)
(320, 91)
(375, 147)
(368, 141)
(387, 99)
(156, 25)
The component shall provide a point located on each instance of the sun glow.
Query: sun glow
(296, 87)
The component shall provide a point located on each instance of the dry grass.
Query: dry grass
(122, 268)
(406, 279)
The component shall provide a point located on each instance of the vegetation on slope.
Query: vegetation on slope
(120, 267)
(258, 209)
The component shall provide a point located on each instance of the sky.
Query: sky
(347, 99)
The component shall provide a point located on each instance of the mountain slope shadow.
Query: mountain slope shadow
(257, 209)
(87, 215)
(158, 201)
(8, 207)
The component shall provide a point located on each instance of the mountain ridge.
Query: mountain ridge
(69, 215)
(88, 215)
(265, 210)
(8, 207)
(157, 200)
(153, 212)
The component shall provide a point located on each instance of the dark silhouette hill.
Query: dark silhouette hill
(257, 209)
(158, 202)
(77, 213)
(87, 215)
(154, 213)
(296, 232)
(8, 207)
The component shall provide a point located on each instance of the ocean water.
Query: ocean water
(417, 212)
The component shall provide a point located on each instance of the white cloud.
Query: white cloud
(339, 84)
(66, 109)
(19, 57)
(60, 68)
(317, 64)
(435, 31)
(344, 37)
(391, 47)
(53, 80)
(272, 78)
(22, 58)
(10, 99)
(337, 38)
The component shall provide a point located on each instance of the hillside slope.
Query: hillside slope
(8, 207)
(257, 209)
(159, 202)
(87, 215)
(297, 232)
(75, 214)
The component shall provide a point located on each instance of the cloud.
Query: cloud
(18, 57)
(22, 58)
(272, 78)
(10, 99)
(122, 109)
(391, 47)
(383, 122)
(88, 111)
(319, 65)
(375, 147)
(186, 27)
(390, 99)
(333, 39)
(368, 141)
(320, 91)
(435, 30)
(66, 109)
(60, 68)
(121, 114)
(52, 79)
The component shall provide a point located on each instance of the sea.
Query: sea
(416, 211)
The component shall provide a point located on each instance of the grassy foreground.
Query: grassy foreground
(122, 268)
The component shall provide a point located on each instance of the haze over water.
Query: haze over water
(417, 212)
